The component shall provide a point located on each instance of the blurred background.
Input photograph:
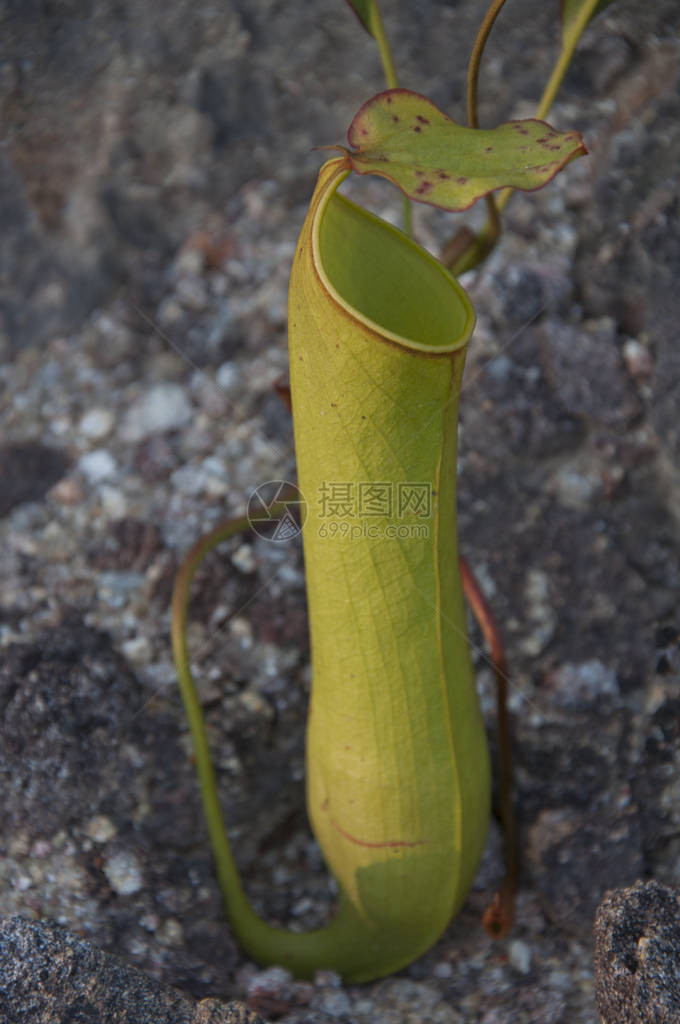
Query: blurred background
(155, 167)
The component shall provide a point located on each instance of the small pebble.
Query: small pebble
(114, 502)
(256, 704)
(560, 980)
(539, 612)
(96, 424)
(60, 426)
(519, 954)
(270, 992)
(100, 828)
(241, 628)
(23, 543)
(637, 358)
(443, 970)
(116, 588)
(67, 491)
(215, 476)
(302, 906)
(244, 559)
(169, 312)
(364, 1006)
(58, 543)
(137, 650)
(164, 407)
(500, 369)
(190, 261)
(227, 378)
(336, 1004)
(189, 480)
(585, 682)
(124, 873)
(170, 933)
(537, 592)
(573, 489)
(97, 465)
(191, 293)
(327, 979)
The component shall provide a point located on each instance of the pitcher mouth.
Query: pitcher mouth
(381, 278)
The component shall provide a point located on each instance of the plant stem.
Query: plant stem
(500, 913)
(378, 32)
(493, 224)
(235, 899)
(476, 59)
(457, 255)
(465, 250)
(569, 44)
(226, 868)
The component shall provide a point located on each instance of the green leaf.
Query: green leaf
(402, 136)
(576, 13)
(367, 13)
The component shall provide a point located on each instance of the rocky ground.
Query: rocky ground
(154, 174)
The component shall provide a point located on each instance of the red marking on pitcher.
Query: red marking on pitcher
(392, 844)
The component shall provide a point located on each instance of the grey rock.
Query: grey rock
(271, 991)
(629, 253)
(60, 702)
(50, 976)
(27, 471)
(403, 1001)
(602, 393)
(579, 684)
(656, 788)
(212, 1011)
(577, 857)
(637, 952)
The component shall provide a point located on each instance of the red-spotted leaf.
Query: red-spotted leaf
(575, 14)
(402, 136)
(367, 13)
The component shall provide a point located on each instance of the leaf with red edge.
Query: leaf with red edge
(402, 136)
